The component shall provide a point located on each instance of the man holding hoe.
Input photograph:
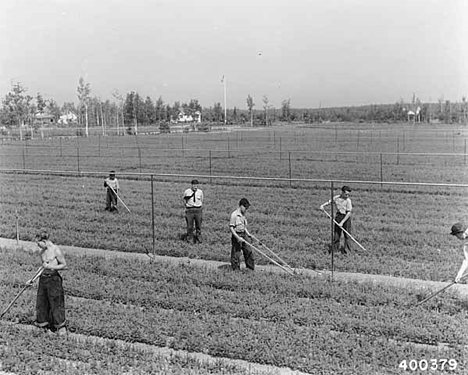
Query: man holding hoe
(461, 232)
(50, 301)
(239, 237)
(343, 207)
(112, 185)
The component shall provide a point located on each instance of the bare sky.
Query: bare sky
(328, 52)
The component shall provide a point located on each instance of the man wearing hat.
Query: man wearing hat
(193, 201)
(343, 208)
(239, 236)
(112, 185)
(461, 232)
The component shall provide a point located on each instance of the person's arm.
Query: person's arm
(233, 231)
(185, 198)
(464, 265)
(349, 208)
(322, 207)
(232, 227)
(61, 262)
(347, 216)
(245, 229)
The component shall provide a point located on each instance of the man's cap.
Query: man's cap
(42, 235)
(194, 182)
(244, 202)
(345, 188)
(112, 172)
(457, 228)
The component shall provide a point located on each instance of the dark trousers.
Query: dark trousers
(111, 200)
(338, 231)
(236, 249)
(193, 218)
(50, 301)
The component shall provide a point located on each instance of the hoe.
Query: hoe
(28, 284)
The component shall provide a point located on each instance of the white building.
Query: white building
(70, 117)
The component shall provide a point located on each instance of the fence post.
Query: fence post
(60, 146)
(290, 172)
(210, 166)
(381, 170)
(465, 152)
(139, 157)
(78, 153)
(332, 231)
(152, 216)
(280, 147)
(24, 158)
(398, 151)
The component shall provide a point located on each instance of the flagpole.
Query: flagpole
(225, 108)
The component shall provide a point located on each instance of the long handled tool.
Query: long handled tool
(28, 284)
(17, 227)
(344, 230)
(270, 259)
(274, 254)
(440, 291)
(120, 199)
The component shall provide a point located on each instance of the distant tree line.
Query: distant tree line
(19, 109)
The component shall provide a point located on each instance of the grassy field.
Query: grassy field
(275, 319)
(403, 228)
(369, 152)
(305, 324)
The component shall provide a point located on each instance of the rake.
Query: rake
(344, 230)
(284, 268)
(28, 284)
(120, 199)
(441, 290)
(274, 254)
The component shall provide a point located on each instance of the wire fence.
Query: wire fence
(377, 187)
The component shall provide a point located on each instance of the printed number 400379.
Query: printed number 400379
(429, 365)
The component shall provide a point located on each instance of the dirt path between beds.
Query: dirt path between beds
(461, 290)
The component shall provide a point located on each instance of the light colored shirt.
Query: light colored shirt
(195, 200)
(114, 184)
(238, 221)
(343, 206)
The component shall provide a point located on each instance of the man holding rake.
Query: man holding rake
(50, 300)
(239, 236)
(343, 207)
(461, 232)
(112, 185)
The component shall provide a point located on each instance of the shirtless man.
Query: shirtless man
(50, 301)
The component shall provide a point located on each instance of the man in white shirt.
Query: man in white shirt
(461, 232)
(193, 201)
(343, 206)
(113, 188)
(239, 236)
